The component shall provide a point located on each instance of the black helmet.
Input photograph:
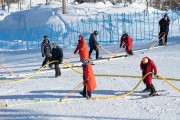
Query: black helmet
(96, 32)
(45, 36)
(124, 35)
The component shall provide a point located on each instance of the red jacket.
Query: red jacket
(89, 76)
(146, 68)
(83, 49)
(127, 42)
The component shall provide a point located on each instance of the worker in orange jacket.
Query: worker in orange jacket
(82, 47)
(88, 78)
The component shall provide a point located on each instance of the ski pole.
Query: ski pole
(9, 71)
(72, 91)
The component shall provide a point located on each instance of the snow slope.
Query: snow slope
(52, 14)
(45, 87)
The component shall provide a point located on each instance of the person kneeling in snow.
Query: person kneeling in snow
(147, 65)
(88, 79)
(126, 41)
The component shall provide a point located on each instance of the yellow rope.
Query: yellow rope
(94, 98)
(169, 82)
(115, 75)
(29, 76)
(111, 75)
(123, 95)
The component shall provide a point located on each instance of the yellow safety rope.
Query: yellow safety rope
(124, 76)
(94, 98)
(29, 76)
(115, 75)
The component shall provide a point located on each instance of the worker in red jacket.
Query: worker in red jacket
(88, 78)
(82, 48)
(147, 65)
(126, 42)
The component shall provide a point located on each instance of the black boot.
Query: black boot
(147, 89)
(153, 91)
(89, 94)
(130, 52)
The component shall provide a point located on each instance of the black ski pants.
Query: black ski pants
(57, 69)
(46, 60)
(88, 92)
(97, 52)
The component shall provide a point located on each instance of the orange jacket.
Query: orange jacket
(83, 49)
(89, 76)
(127, 43)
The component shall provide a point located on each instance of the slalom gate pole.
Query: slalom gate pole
(9, 71)
(72, 91)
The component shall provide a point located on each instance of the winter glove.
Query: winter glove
(155, 75)
(144, 81)
(85, 82)
(75, 51)
(42, 55)
(123, 46)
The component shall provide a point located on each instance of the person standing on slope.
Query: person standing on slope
(164, 29)
(126, 42)
(46, 51)
(82, 48)
(93, 44)
(57, 54)
(147, 65)
(88, 78)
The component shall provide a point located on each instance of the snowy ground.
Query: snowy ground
(45, 86)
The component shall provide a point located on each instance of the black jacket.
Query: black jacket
(57, 54)
(93, 41)
(164, 25)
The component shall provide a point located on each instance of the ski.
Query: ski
(149, 91)
(148, 96)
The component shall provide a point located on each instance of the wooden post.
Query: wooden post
(20, 4)
(63, 6)
(8, 4)
(30, 4)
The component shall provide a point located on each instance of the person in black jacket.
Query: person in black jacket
(57, 54)
(46, 51)
(164, 29)
(93, 44)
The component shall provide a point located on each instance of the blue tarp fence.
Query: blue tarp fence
(142, 26)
